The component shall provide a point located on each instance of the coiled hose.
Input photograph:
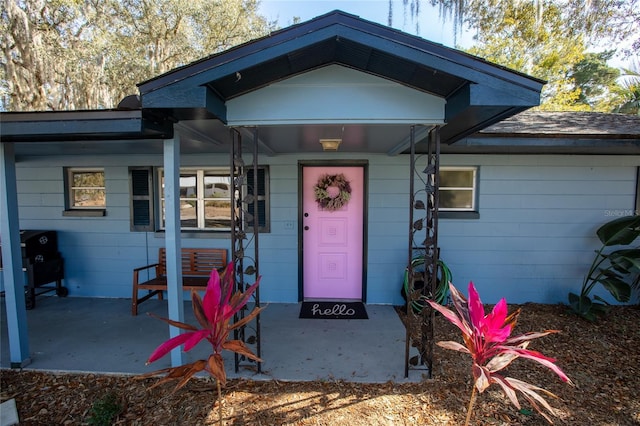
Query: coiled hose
(442, 287)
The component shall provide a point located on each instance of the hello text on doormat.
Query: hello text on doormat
(333, 310)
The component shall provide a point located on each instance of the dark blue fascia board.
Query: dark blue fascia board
(200, 76)
(511, 83)
(462, 66)
(475, 107)
(76, 125)
(545, 145)
(179, 97)
(477, 95)
(336, 24)
(473, 119)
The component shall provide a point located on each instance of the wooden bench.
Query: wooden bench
(197, 264)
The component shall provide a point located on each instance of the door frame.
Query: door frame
(364, 164)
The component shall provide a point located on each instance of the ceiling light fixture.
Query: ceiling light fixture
(330, 144)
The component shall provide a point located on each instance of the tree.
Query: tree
(39, 40)
(629, 92)
(550, 39)
(616, 21)
(536, 46)
(87, 54)
(596, 81)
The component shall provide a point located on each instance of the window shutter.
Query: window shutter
(141, 189)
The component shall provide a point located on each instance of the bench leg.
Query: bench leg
(137, 301)
(134, 302)
(134, 296)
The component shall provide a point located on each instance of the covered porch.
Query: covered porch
(100, 335)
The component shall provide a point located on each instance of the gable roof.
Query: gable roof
(478, 93)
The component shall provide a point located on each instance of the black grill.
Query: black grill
(43, 264)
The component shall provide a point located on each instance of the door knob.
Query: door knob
(306, 228)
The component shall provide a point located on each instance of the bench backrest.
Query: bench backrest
(195, 261)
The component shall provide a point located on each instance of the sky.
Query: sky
(431, 26)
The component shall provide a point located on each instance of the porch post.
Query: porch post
(172, 239)
(12, 260)
(245, 213)
(423, 245)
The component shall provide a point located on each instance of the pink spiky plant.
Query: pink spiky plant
(486, 339)
(214, 314)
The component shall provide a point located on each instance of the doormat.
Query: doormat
(333, 310)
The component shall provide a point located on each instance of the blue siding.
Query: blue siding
(538, 215)
(533, 241)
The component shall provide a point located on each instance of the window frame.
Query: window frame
(200, 174)
(71, 209)
(462, 213)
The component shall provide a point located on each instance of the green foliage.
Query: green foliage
(105, 410)
(534, 38)
(84, 54)
(629, 92)
(537, 46)
(596, 81)
(598, 22)
(614, 270)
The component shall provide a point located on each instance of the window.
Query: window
(458, 189)
(85, 190)
(205, 199)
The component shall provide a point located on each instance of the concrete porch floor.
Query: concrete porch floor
(100, 335)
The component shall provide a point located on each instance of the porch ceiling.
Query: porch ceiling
(212, 136)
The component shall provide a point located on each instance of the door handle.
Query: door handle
(306, 228)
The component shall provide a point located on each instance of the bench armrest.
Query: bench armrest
(142, 268)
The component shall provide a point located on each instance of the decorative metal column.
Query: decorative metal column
(423, 250)
(244, 215)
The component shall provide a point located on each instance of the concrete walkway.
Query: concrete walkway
(100, 335)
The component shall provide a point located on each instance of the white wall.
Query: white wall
(533, 241)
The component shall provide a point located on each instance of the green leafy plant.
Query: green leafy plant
(615, 270)
(486, 339)
(105, 410)
(214, 314)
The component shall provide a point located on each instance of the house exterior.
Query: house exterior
(520, 193)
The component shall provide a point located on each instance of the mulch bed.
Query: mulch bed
(603, 359)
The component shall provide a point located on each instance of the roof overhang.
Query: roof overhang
(83, 125)
(477, 92)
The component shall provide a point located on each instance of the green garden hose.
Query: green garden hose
(442, 288)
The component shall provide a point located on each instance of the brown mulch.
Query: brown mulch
(603, 359)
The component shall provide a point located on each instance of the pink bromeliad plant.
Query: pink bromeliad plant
(486, 339)
(214, 313)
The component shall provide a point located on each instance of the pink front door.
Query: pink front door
(332, 240)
